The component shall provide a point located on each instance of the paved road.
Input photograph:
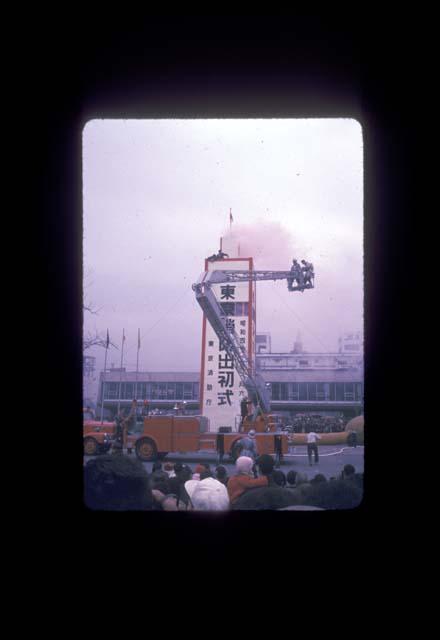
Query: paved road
(331, 460)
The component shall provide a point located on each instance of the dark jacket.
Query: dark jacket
(158, 477)
(272, 497)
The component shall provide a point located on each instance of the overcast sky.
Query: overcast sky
(156, 197)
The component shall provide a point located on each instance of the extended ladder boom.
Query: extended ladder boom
(253, 382)
(219, 277)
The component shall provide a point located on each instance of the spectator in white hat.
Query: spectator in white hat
(207, 495)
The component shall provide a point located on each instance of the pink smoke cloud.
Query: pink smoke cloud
(269, 243)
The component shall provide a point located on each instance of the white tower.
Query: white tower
(221, 388)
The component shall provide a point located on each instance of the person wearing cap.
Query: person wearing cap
(249, 444)
(243, 479)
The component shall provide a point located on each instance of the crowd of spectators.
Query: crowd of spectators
(317, 423)
(119, 482)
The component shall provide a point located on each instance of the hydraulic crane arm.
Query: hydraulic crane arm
(220, 277)
(253, 382)
(229, 340)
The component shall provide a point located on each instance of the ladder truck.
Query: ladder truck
(159, 435)
(261, 420)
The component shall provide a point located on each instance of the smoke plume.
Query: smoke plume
(269, 243)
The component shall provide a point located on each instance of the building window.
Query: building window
(171, 390)
(322, 391)
(311, 390)
(140, 390)
(303, 363)
(339, 391)
(179, 390)
(162, 390)
(293, 391)
(284, 395)
(358, 391)
(111, 390)
(275, 391)
(349, 391)
(187, 390)
(302, 390)
(127, 391)
(195, 390)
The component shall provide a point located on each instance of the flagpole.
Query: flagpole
(230, 219)
(103, 380)
(120, 370)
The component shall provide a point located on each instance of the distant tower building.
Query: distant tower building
(89, 364)
(221, 388)
(298, 345)
(351, 342)
(263, 342)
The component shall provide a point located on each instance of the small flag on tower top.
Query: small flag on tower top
(108, 340)
(231, 219)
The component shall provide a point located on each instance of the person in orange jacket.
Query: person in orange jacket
(244, 480)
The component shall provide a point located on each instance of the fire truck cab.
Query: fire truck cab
(97, 435)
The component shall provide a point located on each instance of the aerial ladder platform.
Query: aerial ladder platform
(253, 382)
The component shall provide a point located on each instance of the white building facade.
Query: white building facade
(221, 388)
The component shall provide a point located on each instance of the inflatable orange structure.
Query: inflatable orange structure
(339, 437)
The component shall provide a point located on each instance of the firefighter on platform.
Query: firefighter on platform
(218, 256)
(296, 274)
(308, 272)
